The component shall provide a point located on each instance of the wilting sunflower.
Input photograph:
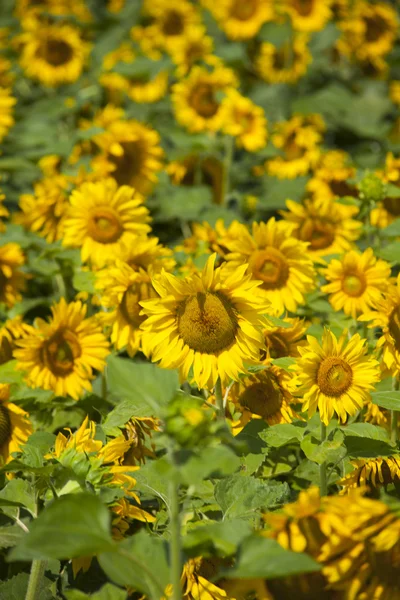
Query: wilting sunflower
(15, 426)
(308, 15)
(245, 121)
(298, 140)
(335, 376)
(103, 217)
(373, 472)
(12, 280)
(211, 321)
(61, 354)
(195, 99)
(264, 395)
(131, 153)
(193, 47)
(276, 259)
(284, 341)
(241, 20)
(53, 54)
(194, 170)
(286, 63)
(10, 331)
(356, 282)
(7, 102)
(327, 225)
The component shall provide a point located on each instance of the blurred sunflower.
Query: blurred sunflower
(15, 426)
(210, 321)
(60, 355)
(193, 47)
(7, 102)
(283, 341)
(335, 376)
(286, 63)
(170, 19)
(330, 176)
(101, 218)
(308, 15)
(38, 8)
(53, 54)
(373, 472)
(194, 169)
(240, 20)
(12, 279)
(394, 91)
(3, 213)
(389, 209)
(245, 121)
(10, 331)
(195, 99)
(356, 282)
(277, 260)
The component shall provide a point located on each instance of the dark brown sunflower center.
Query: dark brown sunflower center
(263, 397)
(376, 27)
(194, 52)
(320, 235)
(60, 352)
(55, 52)
(6, 350)
(392, 205)
(173, 23)
(129, 165)
(303, 7)
(334, 376)
(394, 326)
(354, 284)
(292, 149)
(5, 425)
(271, 267)
(203, 101)
(277, 345)
(105, 225)
(207, 322)
(130, 307)
(244, 9)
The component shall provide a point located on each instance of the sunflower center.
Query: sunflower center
(271, 267)
(5, 425)
(130, 307)
(354, 285)
(207, 322)
(129, 164)
(105, 225)
(277, 345)
(292, 149)
(394, 326)
(262, 398)
(244, 9)
(284, 57)
(56, 52)
(60, 351)
(194, 52)
(203, 101)
(334, 376)
(320, 235)
(392, 205)
(173, 23)
(5, 350)
(303, 7)
(375, 28)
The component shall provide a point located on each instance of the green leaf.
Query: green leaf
(210, 537)
(185, 202)
(17, 492)
(83, 281)
(389, 400)
(9, 373)
(392, 230)
(107, 592)
(366, 430)
(284, 433)
(210, 462)
(10, 536)
(72, 526)
(16, 588)
(391, 252)
(285, 362)
(364, 440)
(331, 450)
(261, 557)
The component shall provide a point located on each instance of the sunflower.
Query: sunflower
(264, 395)
(3, 213)
(286, 63)
(53, 54)
(131, 153)
(373, 472)
(335, 376)
(193, 47)
(137, 431)
(103, 217)
(327, 225)
(308, 15)
(196, 581)
(171, 19)
(283, 341)
(7, 102)
(241, 20)
(12, 280)
(389, 209)
(210, 321)
(298, 140)
(356, 282)
(394, 91)
(15, 426)
(195, 102)
(61, 354)
(277, 260)
(195, 170)
(10, 331)
(245, 121)
(329, 178)
(38, 8)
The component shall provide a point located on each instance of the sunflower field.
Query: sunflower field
(199, 300)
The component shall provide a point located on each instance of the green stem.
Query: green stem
(219, 398)
(175, 542)
(35, 579)
(394, 414)
(229, 144)
(323, 482)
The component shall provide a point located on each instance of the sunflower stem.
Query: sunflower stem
(175, 541)
(323, 480)
(35, 579)
(219, 399)
(394, 414)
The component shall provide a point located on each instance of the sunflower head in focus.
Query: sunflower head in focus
(241, 20)
(335, 375)
(61, 354)
(15, 426)
(102, 217)
(286, 63)
(12, 279)
(283, 341)
(277, 260)
(308, 15)
(245, 121)
(210, 323)
(356, 282)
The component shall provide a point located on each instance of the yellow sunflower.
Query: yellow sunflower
(373, 472)
(327, 225)
(277, 260)
(335, 376)
(284, 341)
(195, 99)
(38, 8)
(298, 140)
(264, 395)
(53, 54)
(241, 20)
(12, 280)
(171, 19)
(7, 102)
(15, 426)
(389, 209)
(193, 47)
(394, 91)
(10, 331)
(131, 153)
(3, 212)
(194, 169)
(210, 321)
(245, 121)
(286, 63)
(102, 217)
(61, 354)
(137, 432)
(329, 178)
(356, 282)
(308, 15)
